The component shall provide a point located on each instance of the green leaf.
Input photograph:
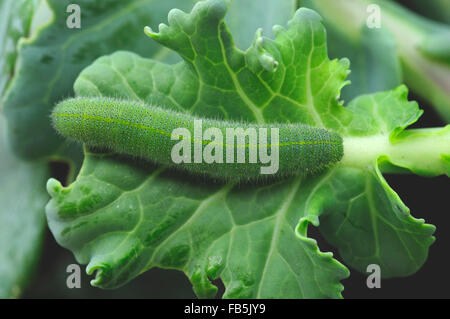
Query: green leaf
(241, 234)
(15, 22)
(50, 61)
(362, 215)
(375, 65)
(197, 204)
(22, 218)
(379, 130)
(422, 45)
(244, 17)
(122, 216)
(368, 222)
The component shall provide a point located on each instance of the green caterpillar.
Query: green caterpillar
(220, 149)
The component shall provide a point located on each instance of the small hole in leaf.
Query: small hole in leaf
(46, 59)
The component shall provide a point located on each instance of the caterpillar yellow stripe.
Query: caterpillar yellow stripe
(219, 149)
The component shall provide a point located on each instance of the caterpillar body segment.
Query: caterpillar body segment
(220, 149)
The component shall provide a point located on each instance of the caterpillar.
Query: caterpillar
(219, 149)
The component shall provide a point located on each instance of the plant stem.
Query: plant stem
(422, 151)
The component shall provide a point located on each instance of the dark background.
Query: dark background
(427, 198)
